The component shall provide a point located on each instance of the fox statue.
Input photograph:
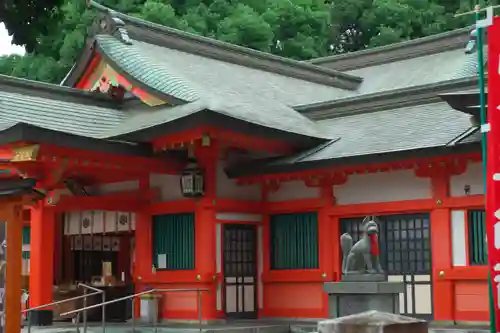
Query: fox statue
(362, 257)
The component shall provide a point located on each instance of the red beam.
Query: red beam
(295, 275)
(230, 205)
(334, 173)
(172, 207)
(54, 155)
(229, 138)
(463, 273)
(292, 206)
(470, 201)
(407, 206)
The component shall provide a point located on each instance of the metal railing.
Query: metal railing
(84, 296)
(151, 291)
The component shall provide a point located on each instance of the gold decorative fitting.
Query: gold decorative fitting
(323, 275)
(441, 274)
(439, 202)
(25, 154)
(198, 277)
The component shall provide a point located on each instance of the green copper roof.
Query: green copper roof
(159, 77)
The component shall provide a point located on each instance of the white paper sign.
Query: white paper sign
(162, 261)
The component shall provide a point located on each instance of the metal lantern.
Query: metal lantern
(193, 181)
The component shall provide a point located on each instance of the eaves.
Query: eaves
(385, 100)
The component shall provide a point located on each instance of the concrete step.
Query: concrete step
(459, 329)
(127, 328)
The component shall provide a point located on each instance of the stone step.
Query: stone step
(313, 328)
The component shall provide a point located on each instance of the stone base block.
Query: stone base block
(364, 277)
(348, 298)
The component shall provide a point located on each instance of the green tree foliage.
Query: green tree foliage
(298, 29)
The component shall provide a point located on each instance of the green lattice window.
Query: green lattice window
(173, 241)
(477, 237)
(294, 241)
(26, 241)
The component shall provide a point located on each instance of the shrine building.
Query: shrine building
(185, 162)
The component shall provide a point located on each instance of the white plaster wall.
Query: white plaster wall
(473, 177)
(382, 187)
(116, 187)
(228, 189)
(168, 185)
(458, 238)
(294, 190)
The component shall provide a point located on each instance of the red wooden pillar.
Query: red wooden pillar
(441, 248)
(142, 264)
(326, 245)
(205, 225)
(42, 262)
(12, 214)
(58, 248)
(266, 252)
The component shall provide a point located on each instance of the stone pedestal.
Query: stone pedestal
(373, 322)
(353, 296)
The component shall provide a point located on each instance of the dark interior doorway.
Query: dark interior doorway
(239, 258)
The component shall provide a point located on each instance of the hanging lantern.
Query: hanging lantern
(193, 181)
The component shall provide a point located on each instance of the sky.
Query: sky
(6, 46)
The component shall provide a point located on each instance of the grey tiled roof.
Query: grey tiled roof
(58, 115)
(279, 117)
(417, 71)
(5, 124)
(407, 128)
(248, 94)
(219, 78)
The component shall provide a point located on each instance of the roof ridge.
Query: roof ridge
(240, 55)
(446, 41)
(414, 95)
(55, 91)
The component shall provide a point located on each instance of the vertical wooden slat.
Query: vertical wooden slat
(173, 236)
(477, 235)
(294, 241)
